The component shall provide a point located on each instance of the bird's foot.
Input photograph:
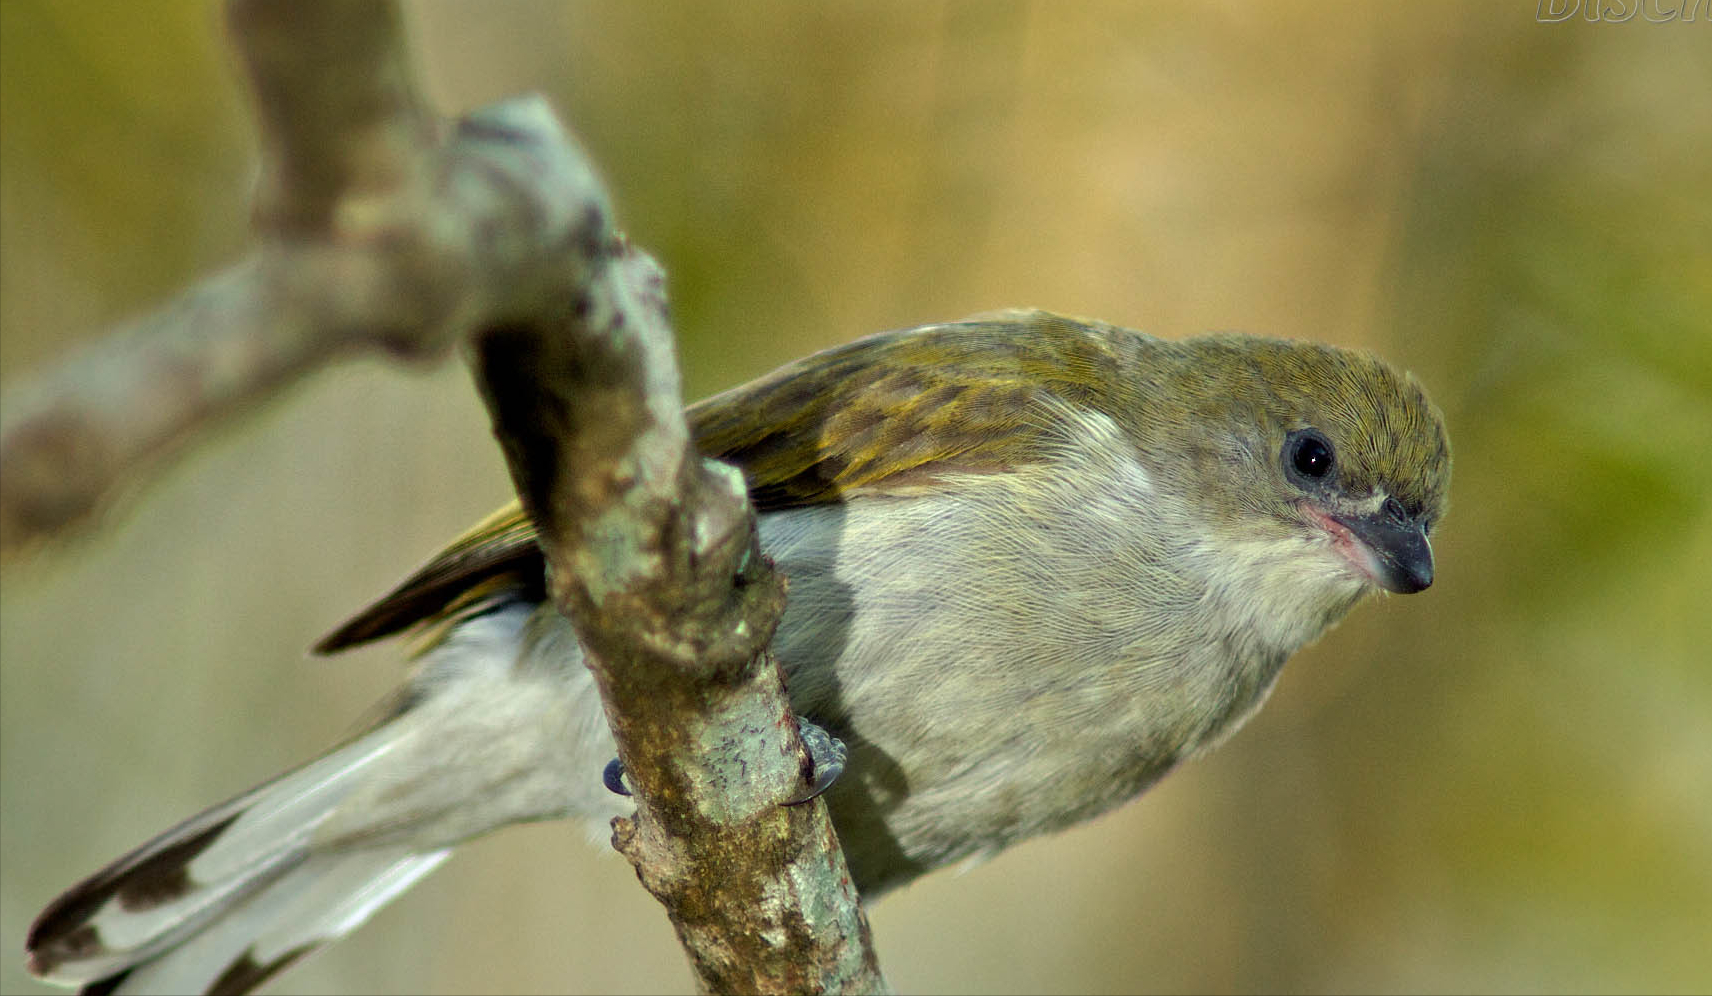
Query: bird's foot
(826, 756)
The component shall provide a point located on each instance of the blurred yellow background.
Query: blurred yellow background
(1504, 784)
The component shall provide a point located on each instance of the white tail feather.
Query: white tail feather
(317, 902)
(167, 890)
(482, 740)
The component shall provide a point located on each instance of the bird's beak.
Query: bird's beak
(1402, 559)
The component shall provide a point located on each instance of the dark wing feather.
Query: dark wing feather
(887, 414)
(497, 555)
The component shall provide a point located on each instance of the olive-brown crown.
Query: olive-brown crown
(1237, 402)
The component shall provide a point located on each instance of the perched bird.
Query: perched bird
(1034, 563)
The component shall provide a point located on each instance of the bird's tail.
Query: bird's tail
(231, 896)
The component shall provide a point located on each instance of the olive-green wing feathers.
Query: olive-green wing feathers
(884, 415)
(497, 555)
(890, 413)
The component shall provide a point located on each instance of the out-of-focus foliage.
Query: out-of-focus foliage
(1504, 784)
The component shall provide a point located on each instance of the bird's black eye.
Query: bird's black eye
(1310, 455)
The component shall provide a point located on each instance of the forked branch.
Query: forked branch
(381, 228)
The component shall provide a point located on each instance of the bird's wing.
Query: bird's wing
(889, 414)
(495, 557)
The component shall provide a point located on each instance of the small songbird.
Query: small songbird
(1034, 563)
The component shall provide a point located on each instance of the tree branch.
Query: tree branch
(340, 118)
(653, 553)
(382, 230)
(361, 247)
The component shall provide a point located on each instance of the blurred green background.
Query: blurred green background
(1504, 784)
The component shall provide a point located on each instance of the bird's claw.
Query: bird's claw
(826, 755)
(613, 777)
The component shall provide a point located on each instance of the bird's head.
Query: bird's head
(1326, 465)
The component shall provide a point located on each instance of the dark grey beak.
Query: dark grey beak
(1400, 544)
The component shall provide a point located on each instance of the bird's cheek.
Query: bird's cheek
(1358, 555)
